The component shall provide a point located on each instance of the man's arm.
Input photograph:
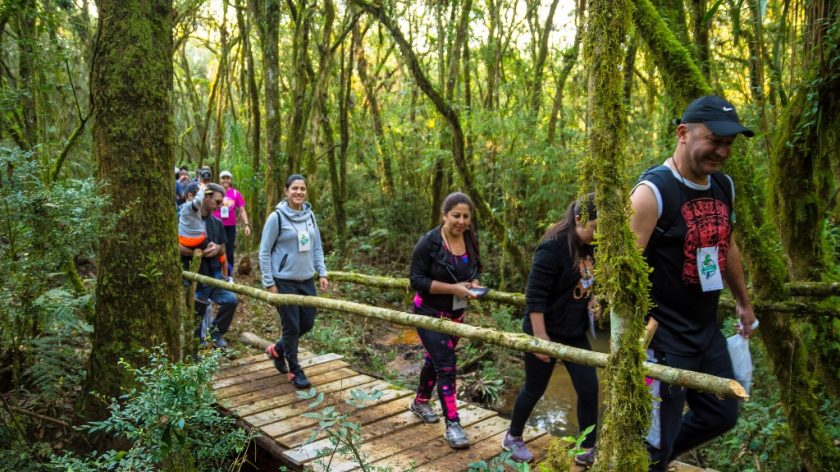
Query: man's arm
(735, 280)
(645, 214)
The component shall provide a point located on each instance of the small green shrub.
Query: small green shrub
(344, 435)
(169, 420)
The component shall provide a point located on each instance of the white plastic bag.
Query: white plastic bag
(739, 352)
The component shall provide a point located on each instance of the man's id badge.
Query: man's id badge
(708, 269)
(225, 211)
(458, 303)
(304, 243)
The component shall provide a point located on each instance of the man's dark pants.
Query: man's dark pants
(227, 302)
(708, 416)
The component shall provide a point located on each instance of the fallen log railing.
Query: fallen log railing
(792, 307)
(516, 299)
(517, 341)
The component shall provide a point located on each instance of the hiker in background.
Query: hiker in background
(212, 265)
(290, 253)
(232, 209)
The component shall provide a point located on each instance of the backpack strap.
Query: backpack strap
(279, 229)
(280, 217)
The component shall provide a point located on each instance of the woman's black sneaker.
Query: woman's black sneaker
(278, 358)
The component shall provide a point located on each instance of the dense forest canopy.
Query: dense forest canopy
(387, 107)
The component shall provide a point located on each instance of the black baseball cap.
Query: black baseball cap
(717, 114)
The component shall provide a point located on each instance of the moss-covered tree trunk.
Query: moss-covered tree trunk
(805, 148)
(266, 14)
(622, 273)
(386, 174)
(255, 211)
(138, 283)
(681, 77)
(301, 93)
(25, 14)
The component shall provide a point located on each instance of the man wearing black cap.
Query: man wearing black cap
(683, 219)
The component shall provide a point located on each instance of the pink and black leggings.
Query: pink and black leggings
(439, 368)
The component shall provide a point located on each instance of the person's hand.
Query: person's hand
(462, 289)
(272, 289)
(476, 284)
(247, 229)
(212, 250)
(747, 317)
(542, 357)
(324, 283)
(595, 308)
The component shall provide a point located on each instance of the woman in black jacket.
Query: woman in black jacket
(559, 302)
(444, 267)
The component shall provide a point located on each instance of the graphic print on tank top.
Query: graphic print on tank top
(707, 225)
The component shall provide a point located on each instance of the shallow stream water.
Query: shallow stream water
(555, 412)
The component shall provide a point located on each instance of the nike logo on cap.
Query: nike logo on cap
(727, 108)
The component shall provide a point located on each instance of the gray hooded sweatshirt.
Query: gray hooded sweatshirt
(279, 255)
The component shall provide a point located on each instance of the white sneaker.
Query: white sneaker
(230, 279)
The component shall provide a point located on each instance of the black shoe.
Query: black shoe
(278, 358)
(299, 380)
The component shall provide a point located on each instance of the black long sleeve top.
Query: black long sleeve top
(551, 284)
(431, 261)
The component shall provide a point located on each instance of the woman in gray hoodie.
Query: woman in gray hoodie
(290, 253)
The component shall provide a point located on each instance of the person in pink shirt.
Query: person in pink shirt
(231, 209)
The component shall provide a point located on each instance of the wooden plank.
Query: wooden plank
(260, 413)
(387, 423)
(278, 383)
(396, 409)
(264, 368)
(387, 446)
(302, 424)
(486, 450)
(437, 448)
(239, 366)
(247, 360)
(282, 386)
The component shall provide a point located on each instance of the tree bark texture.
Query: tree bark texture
(386, 174)
(681, 77)
(270, 29)
(518, 341)
(539, 64)
(137, 286)
(301, 89)
(255, 211)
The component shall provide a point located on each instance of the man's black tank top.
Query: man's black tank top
(691, 218)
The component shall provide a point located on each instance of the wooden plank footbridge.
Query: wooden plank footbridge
(253, 390)
(392, 436)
